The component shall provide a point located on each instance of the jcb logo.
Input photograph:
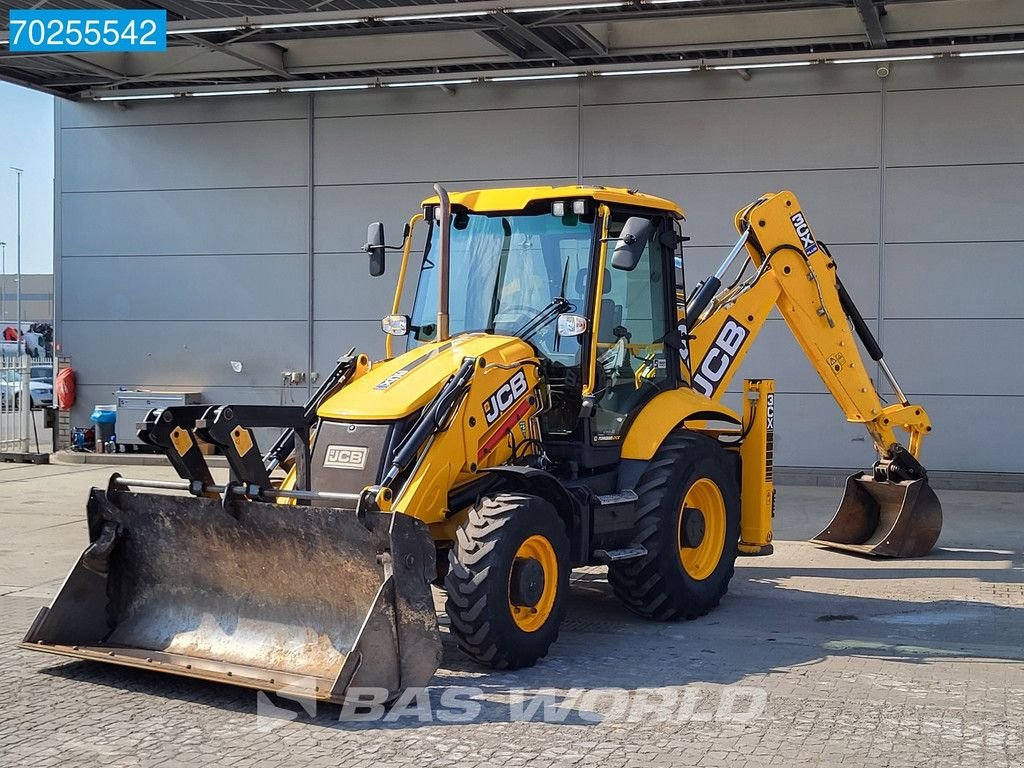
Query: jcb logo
(712, 369)
(505, 396)
(345, 457)
(803, 231)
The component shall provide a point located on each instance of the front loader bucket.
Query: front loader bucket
(267, 596)
(885, 519)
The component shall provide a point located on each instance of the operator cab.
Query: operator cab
(585, 275)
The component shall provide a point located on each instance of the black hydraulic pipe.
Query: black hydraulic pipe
(280, 450)
(867, 338)
(435, 415)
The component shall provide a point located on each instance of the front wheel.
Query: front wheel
(689, 523)
(508, 581)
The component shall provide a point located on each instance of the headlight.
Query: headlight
(395, 325)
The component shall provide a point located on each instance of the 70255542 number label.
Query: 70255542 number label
(84, 31)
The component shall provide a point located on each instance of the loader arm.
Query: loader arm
(792, 271)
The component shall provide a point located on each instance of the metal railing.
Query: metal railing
(22, 397)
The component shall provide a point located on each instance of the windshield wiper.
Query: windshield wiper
(557, 306)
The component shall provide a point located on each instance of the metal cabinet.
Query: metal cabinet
(133, 405)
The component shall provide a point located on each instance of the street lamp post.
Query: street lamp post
(25, 397)
(3, 282)
(17, 312)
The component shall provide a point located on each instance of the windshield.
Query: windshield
(505, 270)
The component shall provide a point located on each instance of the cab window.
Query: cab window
(633, 318)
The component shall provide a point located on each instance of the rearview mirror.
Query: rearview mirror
(375, 247)
(633, 239)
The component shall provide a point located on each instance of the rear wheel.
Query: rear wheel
(690, 524)
(508, 581)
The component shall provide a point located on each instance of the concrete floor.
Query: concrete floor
(838, 660)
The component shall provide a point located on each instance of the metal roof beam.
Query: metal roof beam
(869, 16)
(495, 38)
(276, 67)
(527, 34)
(580, 32)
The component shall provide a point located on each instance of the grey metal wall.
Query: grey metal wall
(202, 231)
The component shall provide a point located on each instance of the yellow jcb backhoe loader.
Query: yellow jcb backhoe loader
(560, 404)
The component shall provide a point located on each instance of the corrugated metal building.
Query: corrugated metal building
(196, 231)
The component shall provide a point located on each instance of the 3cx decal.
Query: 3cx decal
(716, 363)
(504, 396)
(396, 376)
(803, 231)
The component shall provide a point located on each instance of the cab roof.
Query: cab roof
(517, 198)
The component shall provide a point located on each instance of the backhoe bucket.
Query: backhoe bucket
(885, 519)
(309, 599)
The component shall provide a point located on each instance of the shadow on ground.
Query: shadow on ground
(775, 618)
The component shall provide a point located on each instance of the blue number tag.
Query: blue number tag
(86, 31)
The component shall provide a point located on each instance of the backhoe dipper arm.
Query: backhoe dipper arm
(798, 275)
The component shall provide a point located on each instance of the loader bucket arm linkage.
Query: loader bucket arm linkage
(889, 511)
(252, 584)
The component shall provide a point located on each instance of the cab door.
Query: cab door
(635, 311)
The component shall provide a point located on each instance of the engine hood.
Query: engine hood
(395, 388)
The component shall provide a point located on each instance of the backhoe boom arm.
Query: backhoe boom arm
(797, 274)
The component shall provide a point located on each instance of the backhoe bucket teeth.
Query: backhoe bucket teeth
(309, 599)
(885, 519)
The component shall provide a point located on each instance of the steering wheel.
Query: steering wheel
(523, 312)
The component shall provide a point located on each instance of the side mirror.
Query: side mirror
(633, 239)
(375, 247)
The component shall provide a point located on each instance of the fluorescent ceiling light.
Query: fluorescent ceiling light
(203, 30)
(251, 92)
(773, 65)
(426, 82)
(311, 88)
(668, 2)
(881, 59)
(515, 78)
(617, 72)
(301, 24)
(138, 97)
(571, 7)
(1014, 52)
(431, 16)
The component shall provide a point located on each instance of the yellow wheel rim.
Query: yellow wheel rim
(532, 618)
(700, 561)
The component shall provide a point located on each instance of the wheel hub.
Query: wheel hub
(691, 532)
(526, 585)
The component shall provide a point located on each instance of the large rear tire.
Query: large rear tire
(689, 523)
(508, 581)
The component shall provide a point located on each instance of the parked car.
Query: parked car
(43, 373)
(40, 392)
